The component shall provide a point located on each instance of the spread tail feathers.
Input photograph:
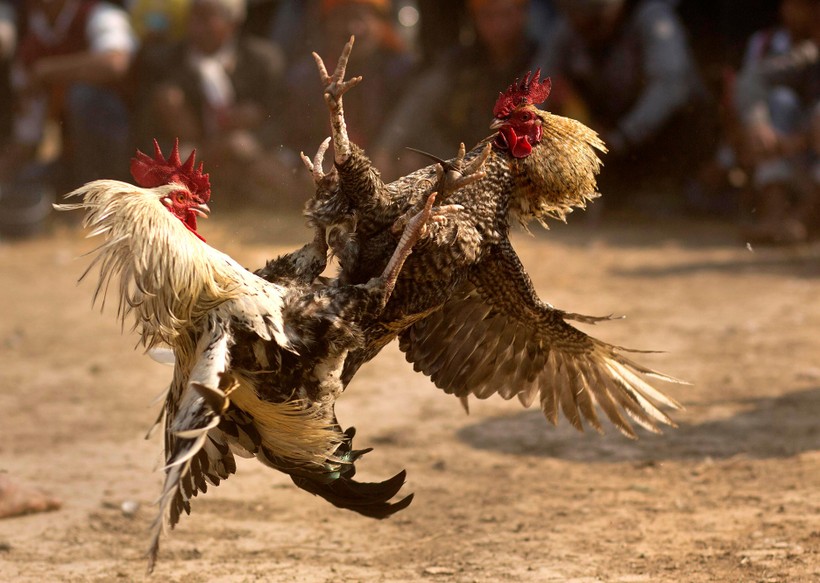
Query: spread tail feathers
(371, 499)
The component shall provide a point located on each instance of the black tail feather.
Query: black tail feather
(367, 498)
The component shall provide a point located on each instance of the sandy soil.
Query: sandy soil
(733, 494)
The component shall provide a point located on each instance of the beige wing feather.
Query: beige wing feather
(494, 336)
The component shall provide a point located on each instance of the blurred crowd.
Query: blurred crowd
(707, 106)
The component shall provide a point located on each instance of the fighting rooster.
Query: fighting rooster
(257, 363)
(464, 308)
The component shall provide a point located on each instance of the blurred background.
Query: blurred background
(707, 107)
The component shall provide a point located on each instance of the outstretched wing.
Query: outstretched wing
(494, 335)
(196, 450)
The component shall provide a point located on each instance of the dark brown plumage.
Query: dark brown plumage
(464, 308)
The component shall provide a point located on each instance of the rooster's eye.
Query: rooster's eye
(180, 197)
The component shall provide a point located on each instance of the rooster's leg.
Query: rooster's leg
(335, 87)
(415, 228)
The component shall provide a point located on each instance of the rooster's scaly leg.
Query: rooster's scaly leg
(335, 87)
(415, 228)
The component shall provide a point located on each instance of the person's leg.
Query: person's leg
(775, 180)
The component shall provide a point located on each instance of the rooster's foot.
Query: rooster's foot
(335, 87)
(455, 174)
(415, 228)
(437, 215)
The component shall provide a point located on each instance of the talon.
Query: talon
(320, 153)
(454, 174)
(320, 64)
(462, 151)
(315, 166)
(478, 161)
(429, 204)
(308, 164)
(448, 209)
(341, 65)
(335, 85)
(442, 214)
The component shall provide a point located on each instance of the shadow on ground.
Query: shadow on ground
(763, 428)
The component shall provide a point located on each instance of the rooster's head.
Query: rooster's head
(516, 116)
(187, 202)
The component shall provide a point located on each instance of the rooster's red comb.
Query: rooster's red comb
(152, 172)
(529, 91)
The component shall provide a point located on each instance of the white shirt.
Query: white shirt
(107, 29)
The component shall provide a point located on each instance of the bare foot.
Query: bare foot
(16, 500)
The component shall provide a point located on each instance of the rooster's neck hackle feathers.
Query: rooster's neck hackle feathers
(167, 277)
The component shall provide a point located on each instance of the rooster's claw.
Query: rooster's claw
(315, 166)
(335, 85)
(454, 174)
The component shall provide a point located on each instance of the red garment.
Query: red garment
(73, 40)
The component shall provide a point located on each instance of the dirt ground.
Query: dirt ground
(733, 494)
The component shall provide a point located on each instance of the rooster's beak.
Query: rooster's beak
(497, 124)
(201, 210)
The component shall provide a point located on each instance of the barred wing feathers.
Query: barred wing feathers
(494, 336)
(197, 452)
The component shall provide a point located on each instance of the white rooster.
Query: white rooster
(257, 363)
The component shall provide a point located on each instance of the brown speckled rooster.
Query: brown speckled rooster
(257, 362)
(464, 308)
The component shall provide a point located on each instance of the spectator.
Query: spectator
(8, 44)
(10, 218)
(217, 91)
(628, 64)
(159, 20)
(728, 174)
(379, 57)
(69, 64)
(719, 31)
(777, 96)
(453, 101)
